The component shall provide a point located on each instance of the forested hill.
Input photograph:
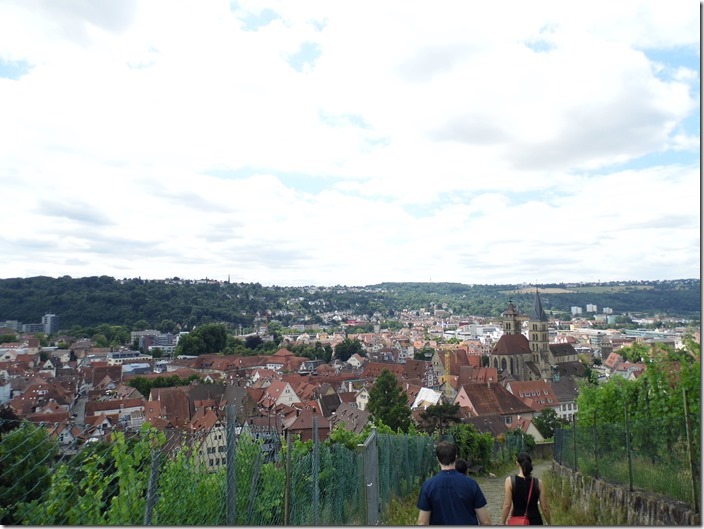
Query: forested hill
(89, 301)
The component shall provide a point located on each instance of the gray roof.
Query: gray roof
(538, 312)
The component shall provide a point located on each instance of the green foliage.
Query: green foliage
(7, 338)
(547, 421)
(388, 402)
(145, 385)
(347, 348)
(206, 339)
(436, 419)
(474, 447)
(26, 455)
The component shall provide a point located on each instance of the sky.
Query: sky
(350, 143)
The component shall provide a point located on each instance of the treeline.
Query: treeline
(136, 303)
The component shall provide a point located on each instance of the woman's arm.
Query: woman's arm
(508, 500)
(544, 505)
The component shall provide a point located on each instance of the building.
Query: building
(50, 322)
(522, 358)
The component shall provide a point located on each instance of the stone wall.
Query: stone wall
(616, 505)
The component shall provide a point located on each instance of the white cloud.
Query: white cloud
(451, 143)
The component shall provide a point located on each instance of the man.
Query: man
(451, 498)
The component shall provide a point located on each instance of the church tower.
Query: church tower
(512, 324)
(539, 336)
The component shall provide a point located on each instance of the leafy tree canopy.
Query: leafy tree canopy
(347, 348)
(388, 402)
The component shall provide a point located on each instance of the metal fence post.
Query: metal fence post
(690, 450)
(370, 453)
(596, 456)
(628, 449)
(151, 491)
(316, 464)
(231, 485)
(574, 441)
(287, 491)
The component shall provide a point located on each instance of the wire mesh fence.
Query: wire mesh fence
(647, 455)
(151, 477)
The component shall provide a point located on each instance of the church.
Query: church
(534, 357)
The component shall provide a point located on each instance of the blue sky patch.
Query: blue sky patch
(652, 159)
(256, 21)
(540, 46)
(302, 182)
(13, 69)
(341, 120)
(306, 54)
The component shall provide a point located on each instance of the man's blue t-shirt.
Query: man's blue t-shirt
(451, 498)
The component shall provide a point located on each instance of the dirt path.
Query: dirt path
(493, 489)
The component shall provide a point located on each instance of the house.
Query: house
(527, 427)
(123, 408)
(209, 440)
(492, 399)
(537, 394)
(613, 360)
(278, 392)
(174, 405)
(362, 399)
(356, 360)
(350, 417)
(427, 397)
(566, 390)
(302, 422)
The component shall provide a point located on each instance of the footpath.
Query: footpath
(493, 488)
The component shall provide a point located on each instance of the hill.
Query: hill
(90, 301)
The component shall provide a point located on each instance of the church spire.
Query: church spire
(538, 312)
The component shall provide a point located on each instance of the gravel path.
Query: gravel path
(493, 489)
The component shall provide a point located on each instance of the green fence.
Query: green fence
(653, 455)
(154, 477)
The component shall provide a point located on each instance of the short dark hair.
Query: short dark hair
(446, 452)
(461, 466)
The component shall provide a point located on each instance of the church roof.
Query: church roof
(511, 344)
(538, 312)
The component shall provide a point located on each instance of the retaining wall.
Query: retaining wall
(620, 506)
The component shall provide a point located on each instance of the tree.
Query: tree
(347, 348)
(388, 403)
(253, 341)
(140, 325)
(547, 422)
(437, 418)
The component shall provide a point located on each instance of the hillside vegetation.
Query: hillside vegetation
(90, 301)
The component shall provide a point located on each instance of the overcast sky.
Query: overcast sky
(324, 143)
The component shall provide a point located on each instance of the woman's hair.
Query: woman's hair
(526, 463)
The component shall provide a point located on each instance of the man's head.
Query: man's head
(446, 453)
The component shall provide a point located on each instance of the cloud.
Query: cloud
(328, 143)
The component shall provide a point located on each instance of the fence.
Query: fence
(648, 455)
(154, 477)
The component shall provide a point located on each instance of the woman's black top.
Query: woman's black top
(520, 496)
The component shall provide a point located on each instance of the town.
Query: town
(503, 372)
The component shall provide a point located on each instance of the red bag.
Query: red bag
(522, 520)
(518, 520)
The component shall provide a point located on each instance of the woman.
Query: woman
(515, 500)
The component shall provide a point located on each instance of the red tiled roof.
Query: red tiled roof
(510, 344)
